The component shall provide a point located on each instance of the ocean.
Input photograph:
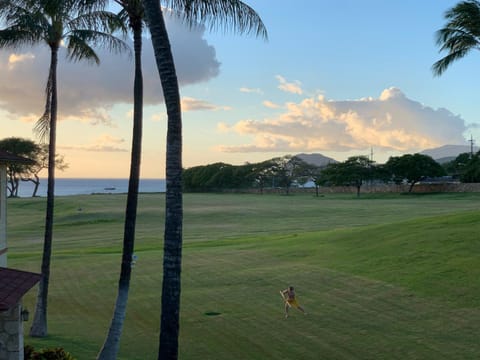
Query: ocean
(65, 187)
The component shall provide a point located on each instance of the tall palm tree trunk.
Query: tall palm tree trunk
(39, 324)
(112, 342)
(172, 257)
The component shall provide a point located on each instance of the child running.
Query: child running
(288, 296)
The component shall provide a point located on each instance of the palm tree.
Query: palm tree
(460, 35)
(243, 19)
(80, 25)
(132, 14)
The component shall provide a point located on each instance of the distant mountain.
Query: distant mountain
(316, 159)
(447, 153)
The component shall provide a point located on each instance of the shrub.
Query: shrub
(46, 354)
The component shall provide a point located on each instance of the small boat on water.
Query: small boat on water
(109, 188)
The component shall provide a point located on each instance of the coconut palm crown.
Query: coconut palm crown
(460, 35)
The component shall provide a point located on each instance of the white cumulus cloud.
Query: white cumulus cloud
(270, 104)
(390, 122)
(290, 87)
(89, 92)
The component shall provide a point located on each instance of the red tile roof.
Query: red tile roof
(13, 285)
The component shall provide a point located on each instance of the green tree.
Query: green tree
(80, 25)
(38, 153)
(470, 172)
(243, 19)
(16, 171)
(457, 165)
(287, 170)
(219, 177)
(315, 174)
(460, 35)
(41, 162)
(353, 172)
(212, 177)
(413, 168)
(263, 174)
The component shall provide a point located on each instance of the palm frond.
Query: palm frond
(24, 25)
(78, 49)
(42, 126)
(460, 35)
(100, 21)
(226, 15)
(123, 16)
(16, 39)
(91, 39)
(85, 6)
(441, 65)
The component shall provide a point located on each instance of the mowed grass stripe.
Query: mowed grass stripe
(353, 311)
(374, 288)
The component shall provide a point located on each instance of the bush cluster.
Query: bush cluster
(46, 354)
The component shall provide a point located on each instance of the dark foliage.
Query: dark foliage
(46, 354)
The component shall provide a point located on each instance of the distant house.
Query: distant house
(13, 283)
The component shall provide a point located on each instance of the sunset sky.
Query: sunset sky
(335, 77)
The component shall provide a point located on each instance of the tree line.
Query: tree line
(291, 171)
(279, 172)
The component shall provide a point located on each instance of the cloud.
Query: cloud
(391, 122)
(191, 104)
(18, 58)
(251, 90)
(290, 87)
(104, 143)
(89, 92)
(158, 117)
(270, 104)
(223, 127)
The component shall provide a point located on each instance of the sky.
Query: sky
(336, 77)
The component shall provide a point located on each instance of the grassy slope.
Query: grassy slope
(381, 277)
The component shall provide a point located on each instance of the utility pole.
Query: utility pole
(471, 141)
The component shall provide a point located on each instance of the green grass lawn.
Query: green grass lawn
(381, 277)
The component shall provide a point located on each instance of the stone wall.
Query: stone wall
(11, 334)
(418, 188)
(377, 188)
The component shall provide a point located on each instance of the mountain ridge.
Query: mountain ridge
(447, 153)
(441, 154)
